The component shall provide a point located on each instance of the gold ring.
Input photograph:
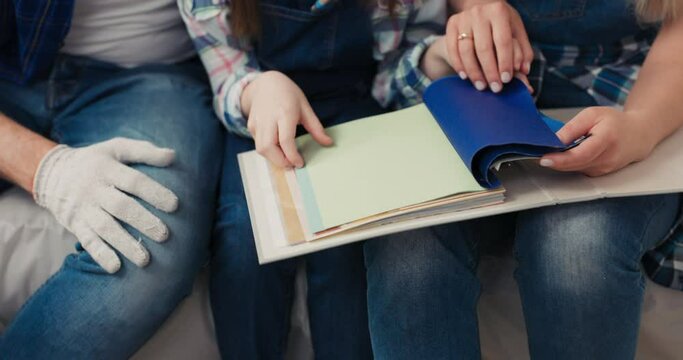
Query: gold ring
(464, 36)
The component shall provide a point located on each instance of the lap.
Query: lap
(169, 106)
(596, 232)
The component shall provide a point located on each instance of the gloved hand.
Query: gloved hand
(87, 188)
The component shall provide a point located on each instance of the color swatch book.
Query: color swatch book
(428, 164)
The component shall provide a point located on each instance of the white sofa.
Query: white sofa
(33, 245)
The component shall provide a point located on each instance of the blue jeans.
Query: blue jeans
(578, 273)
(251, 302)
(82, 312)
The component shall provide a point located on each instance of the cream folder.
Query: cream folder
(527, 186)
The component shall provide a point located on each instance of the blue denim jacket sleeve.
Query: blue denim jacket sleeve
(31, 33)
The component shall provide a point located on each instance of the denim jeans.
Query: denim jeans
(82, 312)
(251, 302)
(578, 273)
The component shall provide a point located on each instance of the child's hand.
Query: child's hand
(275, 105)
(487, 43)
(617, 138)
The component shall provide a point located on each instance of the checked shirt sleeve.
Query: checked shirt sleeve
(400, 41)
(226, 58)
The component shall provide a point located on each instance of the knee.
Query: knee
(174, 111)
(579, 249)
(147, 292)
(413, 264)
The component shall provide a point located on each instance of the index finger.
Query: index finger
(267, 144)
(286, 134)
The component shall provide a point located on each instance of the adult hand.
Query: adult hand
(617, 138)
(88, 188)
(488, 44)
(275, 106)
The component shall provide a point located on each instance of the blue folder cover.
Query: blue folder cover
(483, 126)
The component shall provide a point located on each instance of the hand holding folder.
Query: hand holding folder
(426, 165)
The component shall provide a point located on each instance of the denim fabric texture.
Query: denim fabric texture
(82, 312)
(329, 55)
(579, 271)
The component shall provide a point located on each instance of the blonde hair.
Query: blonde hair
(658, 10)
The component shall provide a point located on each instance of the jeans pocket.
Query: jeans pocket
(551, 10)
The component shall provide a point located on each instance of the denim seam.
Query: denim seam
(642, 283)
(36, 34)
(289, 298)
(331, 41)
(672, 230)
(647, 227)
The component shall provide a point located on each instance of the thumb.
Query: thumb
(138, 151)
(312, 124)
(579, 126)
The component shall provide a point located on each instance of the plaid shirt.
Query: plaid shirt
(664, 264)
(400, 41)
(31, 32)
(605, 73)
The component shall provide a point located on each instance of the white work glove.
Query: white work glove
(87, 188)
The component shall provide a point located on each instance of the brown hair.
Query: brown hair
(658, 10)
(245, 18)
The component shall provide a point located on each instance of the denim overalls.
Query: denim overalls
(329, 55)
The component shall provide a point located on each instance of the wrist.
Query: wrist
(22, 152)
(43, 171)
(434, 62)
(245, 98)
(38, 148)
(648, 134)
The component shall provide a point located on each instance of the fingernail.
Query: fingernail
(506, 77)
(463, 75)
(479, 85)
(496, 87)
(527, 67)
(547, 163)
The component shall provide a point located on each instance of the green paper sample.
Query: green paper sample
(378, 164)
